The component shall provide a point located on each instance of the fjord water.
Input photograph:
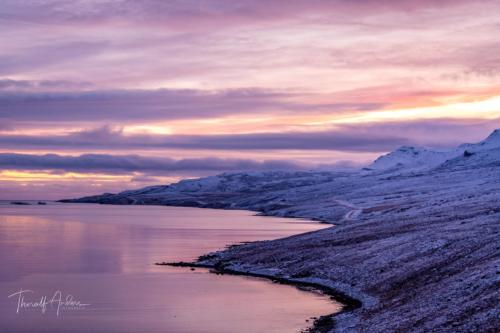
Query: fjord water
(104, 256)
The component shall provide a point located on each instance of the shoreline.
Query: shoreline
(257, 212)
(421, 256)
(322, 324)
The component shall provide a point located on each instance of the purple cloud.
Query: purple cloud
(46, 55)
(206, 14)
(374, 137)
(107, 138)
(126, 164)
(163, 104)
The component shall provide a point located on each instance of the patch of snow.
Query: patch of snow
(409, 158)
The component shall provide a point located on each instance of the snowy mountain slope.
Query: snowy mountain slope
(316, 194)
(419, 249)
(265, 191)
(491, 142)
(474, 159)
(413, 158)
(408, 158)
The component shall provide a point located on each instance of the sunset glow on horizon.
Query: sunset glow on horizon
(117, 94)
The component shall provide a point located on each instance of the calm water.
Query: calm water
(104, 256)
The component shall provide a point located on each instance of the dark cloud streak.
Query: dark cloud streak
(126, 164)
(374, 137)
(162, 104)
(106, 138)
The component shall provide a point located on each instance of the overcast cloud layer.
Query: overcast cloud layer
(374, 138)
(131, 87)
(103, 163)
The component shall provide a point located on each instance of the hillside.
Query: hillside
(416, 235)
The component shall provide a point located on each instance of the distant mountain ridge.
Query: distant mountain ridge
(219, 191)
(410, 158)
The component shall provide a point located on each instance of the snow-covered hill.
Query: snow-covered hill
(414, 158)
(416, 237)
(409, 158)
(491, 142)
(212, 191)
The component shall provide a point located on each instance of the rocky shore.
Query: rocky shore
(419, 248)
(322, 324)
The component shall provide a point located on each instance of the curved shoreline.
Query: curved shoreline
(322, 324)
(422, 256)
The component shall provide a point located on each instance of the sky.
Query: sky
(107, 95)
